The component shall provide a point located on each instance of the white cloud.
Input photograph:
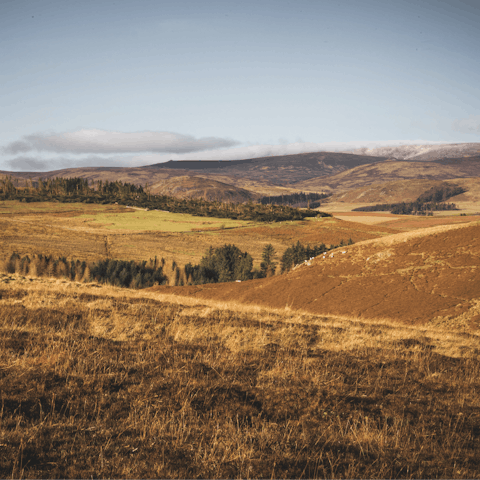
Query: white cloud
(467, 125)
(102, 141)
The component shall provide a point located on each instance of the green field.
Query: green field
(161, 221)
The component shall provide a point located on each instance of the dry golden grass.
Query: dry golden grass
(104, 382)
(367, 219)
(63, 230)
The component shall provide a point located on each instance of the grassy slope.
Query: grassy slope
(408, 191)
(113, 383)
(205, 188)
(430, 275)
(391, 171)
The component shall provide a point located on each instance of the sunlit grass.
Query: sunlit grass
(105, 382)
(161, 221)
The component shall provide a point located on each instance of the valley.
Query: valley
(362, 362)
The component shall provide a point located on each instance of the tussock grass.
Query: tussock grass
(107, 382)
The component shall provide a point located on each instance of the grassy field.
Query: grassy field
(140, 220)
(104, 382)
(85, 232)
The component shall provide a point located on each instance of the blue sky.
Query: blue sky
(127, 83)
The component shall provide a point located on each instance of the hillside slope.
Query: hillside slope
(135, 175)
(205, 188)
(409, 191)
(426, 276)
(393, 171)
(281, 170)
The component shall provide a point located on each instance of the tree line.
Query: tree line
(70, 190)
(298, 253)
(297, 200)
(120, 273)
(222, 264)
(432, 200)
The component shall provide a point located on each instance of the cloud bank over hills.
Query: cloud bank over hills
(102, 148)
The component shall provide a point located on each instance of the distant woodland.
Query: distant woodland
(297, 200)
(72, 190)
(432, 200)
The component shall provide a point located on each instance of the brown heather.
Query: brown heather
(102, 382)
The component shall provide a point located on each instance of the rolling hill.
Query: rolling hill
(344, 174)
(135, 175)
(430, 276)
(196, 187)
(393, 171)
(408, 191)
(280, 170)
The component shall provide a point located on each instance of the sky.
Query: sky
(131, 83)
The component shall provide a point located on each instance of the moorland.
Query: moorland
(360, 362)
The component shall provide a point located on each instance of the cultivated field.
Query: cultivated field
(104, 382)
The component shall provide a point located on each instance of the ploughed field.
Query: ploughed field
(104, 382)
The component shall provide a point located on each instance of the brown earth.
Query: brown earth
(426, 276)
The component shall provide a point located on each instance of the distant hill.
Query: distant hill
(423, 152)
(207, 189)
(135, 175)
(407, 191)
(259, 176)
(387, 192)
(331, 172)
(281, 170)
(393, 171)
